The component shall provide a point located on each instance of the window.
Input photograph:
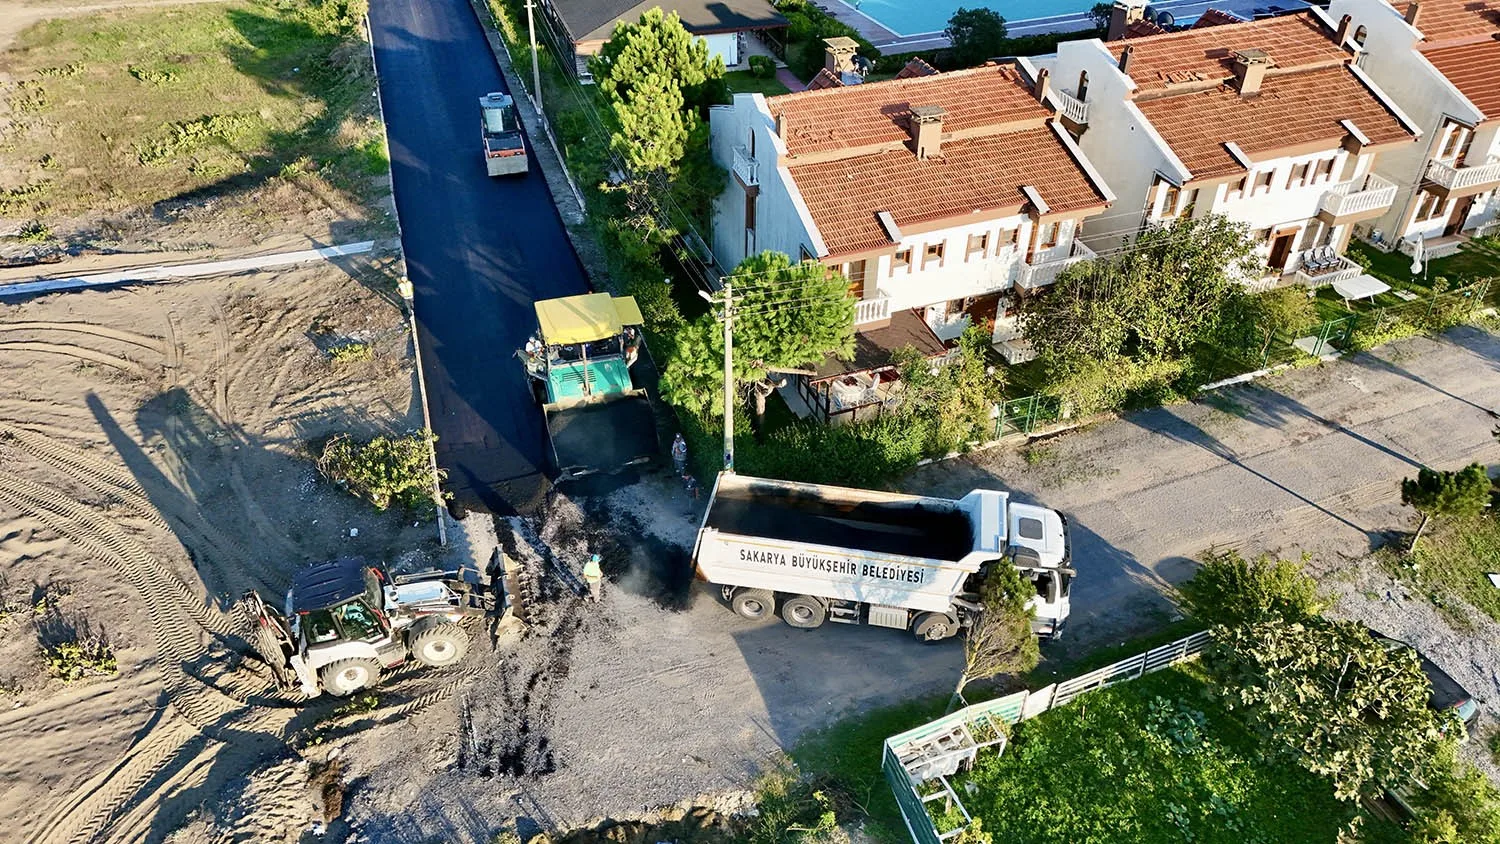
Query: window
(1029, 528)
(750, 211)
(358, 621)
(1325, 169)
(1260, 235)
(978, 244)
(1169, 205)
(934, 252)
(1044, 587)
(1007, 237)
(1192, 201)
(320, 627)
(1263, 180)
(901, 261)
(1429, 206)
(1298, 177)
(1083, 86)
(806, 255)
(1452, 141)
(1046, 237)
(1360, 35)
(1240, 186)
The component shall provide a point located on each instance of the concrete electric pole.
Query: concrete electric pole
(536, 71)
(729, 393)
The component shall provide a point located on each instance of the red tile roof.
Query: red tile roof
(1291, 110)
(1199, 55)
(1214, 17)
(825, 79)
(1142, 28)
(1471, 68)
(984, 173)
(916, 67)
(1447, 20)
(856, 116)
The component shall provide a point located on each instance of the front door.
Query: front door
(1459, 214)
(1281, 250)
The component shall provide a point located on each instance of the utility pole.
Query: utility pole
(729, 393)
(536, 71)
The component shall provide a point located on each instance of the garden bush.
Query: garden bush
(807, 27)
(383, 471)
(1229, 589)
(1093, 386)
(762, 67)
(85, 656)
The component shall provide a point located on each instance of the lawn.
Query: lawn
(1455, 554)
(1479, 258)
(1151, 760)
(745, 82)
(122, 109)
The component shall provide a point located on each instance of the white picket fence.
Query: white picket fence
(936, 750)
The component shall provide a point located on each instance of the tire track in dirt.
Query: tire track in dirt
(101, 476)
(76, 352)
(142, 340)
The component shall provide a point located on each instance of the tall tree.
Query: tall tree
(976, 35)
(656, 45)
(1434, 493)
(1000, 640)
(1346, 705)
(786, 316)
(1077, 317)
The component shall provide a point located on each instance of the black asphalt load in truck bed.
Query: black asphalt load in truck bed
(911, 530)
(603, 437)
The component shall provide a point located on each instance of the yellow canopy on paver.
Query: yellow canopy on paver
(582, 319)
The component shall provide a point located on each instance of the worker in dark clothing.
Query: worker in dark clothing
(679, 455)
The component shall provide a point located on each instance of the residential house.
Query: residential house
(584, 25)
(1439, 60)
(1268, 122)
(940, 196)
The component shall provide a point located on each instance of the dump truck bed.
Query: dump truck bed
(603, 436)
(908, 526)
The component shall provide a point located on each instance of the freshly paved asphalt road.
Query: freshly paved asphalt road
(479, 251)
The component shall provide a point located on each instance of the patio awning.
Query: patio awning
(1360, 287)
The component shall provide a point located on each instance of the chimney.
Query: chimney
(1125, 59)
(1121, 15)
(1043, 84)
(927, 131)
(1343, 33)
(1250, 68)
(1412, 12)
(838, 55)
(781, 125)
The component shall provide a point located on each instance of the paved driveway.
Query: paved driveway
(479, 251)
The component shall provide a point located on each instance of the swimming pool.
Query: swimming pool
(912, 17)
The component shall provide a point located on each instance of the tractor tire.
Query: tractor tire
(438, 645)
(934, 626)
(803, 612)
(344, 677)
(754, 604)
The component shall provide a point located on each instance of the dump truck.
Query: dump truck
(579, 363)
(504, 145)
(817, 553)
(343, 622)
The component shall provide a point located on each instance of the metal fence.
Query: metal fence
(918, 762)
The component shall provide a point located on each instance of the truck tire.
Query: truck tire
(440, 644)
(803, 612)
(754, 604)
(344, 677)
(934, 626)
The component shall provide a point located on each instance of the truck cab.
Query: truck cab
(1039, 548)
(500, 129)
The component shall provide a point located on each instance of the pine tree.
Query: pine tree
(1434, 493)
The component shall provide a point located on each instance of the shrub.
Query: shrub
(352, 352)
(385, 470)
(807, 27)
(1382, 329)
(1231, 590)
(86, 656)
(762, 67)
(1093, 386)
(35, 231)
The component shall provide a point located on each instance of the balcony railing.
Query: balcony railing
(1073, 108)
(1042, 274)
(745, 167)
(1460, 178)
(1359, 196)
(1432, 247)
(1311, 275)
(872, 310)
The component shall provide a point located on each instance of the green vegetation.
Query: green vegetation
(165, 102)
(1454, 557)
(807, 27)
(353, 352)
(34, 231)
(749, 82)
(77, 657)
(1000, 641)
(1231, 590)
(1479, 258)
(383, 471)
(975, 35)
(1461, 494)
(1153, 760)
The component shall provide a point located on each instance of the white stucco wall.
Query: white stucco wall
(782, 222)
(725, 45)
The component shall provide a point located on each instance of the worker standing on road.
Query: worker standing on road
(594, 577)
(679, 455)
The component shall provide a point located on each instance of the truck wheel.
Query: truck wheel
(803, 612)
(754, 604)
(934, 626)
(439, 644)
(344, 677)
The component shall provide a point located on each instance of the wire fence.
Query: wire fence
(918, 762)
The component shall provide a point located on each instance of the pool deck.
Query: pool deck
(888, 41)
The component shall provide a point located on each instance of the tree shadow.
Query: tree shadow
(1484, 346)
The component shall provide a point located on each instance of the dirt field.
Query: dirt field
(155, 449)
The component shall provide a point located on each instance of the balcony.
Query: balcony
(1073, 108)
(873, 310)
(1360, 199)
(1464, 180)
(1432, 247)
(745, 167)
(1042, 274)
(1319, 266)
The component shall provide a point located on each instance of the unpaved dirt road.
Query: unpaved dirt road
(660, 694)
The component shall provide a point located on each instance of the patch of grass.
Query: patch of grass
(1475, 260)
(354, 352)
(35, 231)
(205, 98)
(14, 201)
(1152, 760)
(75, 659)
(1036, 455)
(746, 82)
(1454, 556)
